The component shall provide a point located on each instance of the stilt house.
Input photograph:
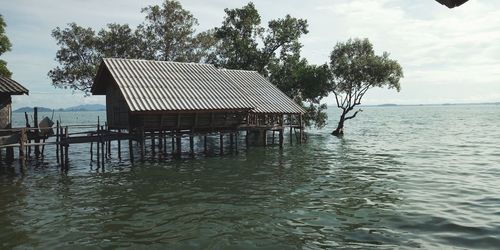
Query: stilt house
(190, 98)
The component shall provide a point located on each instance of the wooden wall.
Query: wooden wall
(116, 108)
(5, 111)
(201, 121)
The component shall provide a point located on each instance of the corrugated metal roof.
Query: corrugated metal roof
(265, 96)
(171, 86)
(9, 86)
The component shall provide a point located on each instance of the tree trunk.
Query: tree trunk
(340, 127)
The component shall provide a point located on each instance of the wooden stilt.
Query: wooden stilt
(265, 137)
(205, 144)
(221, 142)
(66, 148)
(22, 148)
(301, 132)
(231, 141)
(97, 144)
(281, 132)
(160, 141)
(173, 143)
(9, 154)
(61, 143)
(179, 144)
(247, 140)
(28, 126)
(273, 138)
(119, 145)
(143, 142)
(35, 125)
(130, 150)
(191, 144)
(102, 150)
(91, 151)
(236, 142)
(57, 142)
(164, 136)
(153, 143)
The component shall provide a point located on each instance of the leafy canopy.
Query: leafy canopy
(166, 34)
(5, 46)
(355, 69)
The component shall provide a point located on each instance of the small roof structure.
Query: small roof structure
(452, 3)
(265, 96)
(172, 86)
(11, 87)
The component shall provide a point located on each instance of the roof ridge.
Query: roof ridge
(242, 70)
(156, 61)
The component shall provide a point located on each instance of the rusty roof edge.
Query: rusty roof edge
(14, 87)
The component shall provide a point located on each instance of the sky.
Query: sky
(448, 56)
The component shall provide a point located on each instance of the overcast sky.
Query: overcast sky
(448, 56)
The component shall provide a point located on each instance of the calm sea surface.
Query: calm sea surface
(402, 177)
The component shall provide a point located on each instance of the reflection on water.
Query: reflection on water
(401, 177)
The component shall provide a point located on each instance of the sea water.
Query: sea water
(401, 177)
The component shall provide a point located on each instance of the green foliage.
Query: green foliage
(238, 36)
(118, 40)
(78, 58)
(278, 57)
(241, 34)
(355, 69)
(5, 46)
(167, 34)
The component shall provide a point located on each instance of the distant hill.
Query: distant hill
(30, 109)
(85, 107)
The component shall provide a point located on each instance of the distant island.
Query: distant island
(84, 107)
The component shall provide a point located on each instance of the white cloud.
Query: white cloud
(448, 55)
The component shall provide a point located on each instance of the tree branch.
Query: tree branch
(354, 115)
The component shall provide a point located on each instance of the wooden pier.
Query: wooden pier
(32, 143)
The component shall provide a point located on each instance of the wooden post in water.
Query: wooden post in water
(153, 142)
(97, 144)
(291, 132)
(160, 142)
(231, 141)
(301, 132)
(173, 142)
(143, 143)
(191, 144)
(57, 141)
(91, 151)
(221, 142)
(131, 135)
(281, 131)
(205, 144)
(236, 141)
(61, 147)
(27, 126)
(119, 144)
(22, 148)
(247, 140)
(103, 154)
(179, 144)
(272, 142)
(66, 148)
(35, 125)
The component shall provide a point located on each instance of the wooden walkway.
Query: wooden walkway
(31, 140)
